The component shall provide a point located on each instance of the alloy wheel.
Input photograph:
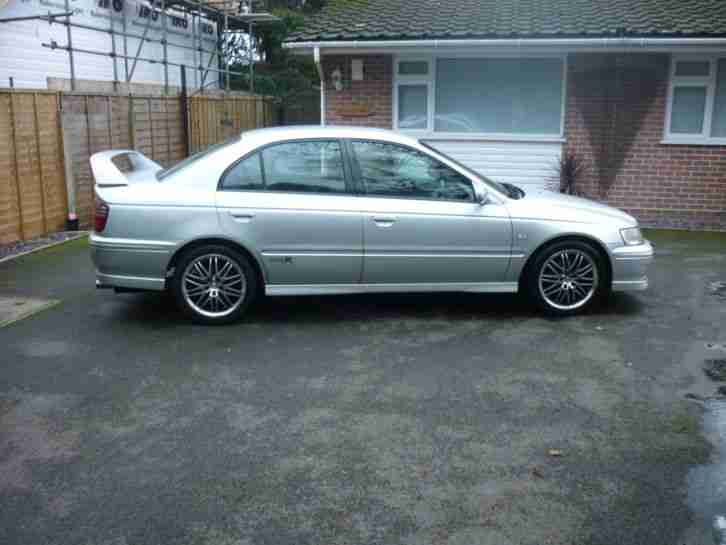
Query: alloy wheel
(568, 279)
(214, 285)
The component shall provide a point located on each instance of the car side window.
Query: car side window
(245, 175)
(314, 166)
(396, 171)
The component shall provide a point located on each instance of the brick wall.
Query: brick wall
(614, 121)
(366, 103)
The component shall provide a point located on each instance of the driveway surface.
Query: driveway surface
(446, 419)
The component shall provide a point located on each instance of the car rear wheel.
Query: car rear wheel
(567, 278)
(214, 284)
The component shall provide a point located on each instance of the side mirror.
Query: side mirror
(481, 196)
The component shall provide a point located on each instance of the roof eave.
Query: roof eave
(629, 43)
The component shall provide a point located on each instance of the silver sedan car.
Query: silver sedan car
(339, 210)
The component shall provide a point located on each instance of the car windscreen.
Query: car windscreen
(181, 165)
(496, 185)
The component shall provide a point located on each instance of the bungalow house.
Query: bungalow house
(634, 90)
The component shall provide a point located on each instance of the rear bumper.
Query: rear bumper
(133, 264)
(129, 282)
(630, 264)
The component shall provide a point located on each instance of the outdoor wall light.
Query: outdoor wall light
(337, 79)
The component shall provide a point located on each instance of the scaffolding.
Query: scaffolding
(230, 17)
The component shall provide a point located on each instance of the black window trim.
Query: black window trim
(360, 184)
(347, 174)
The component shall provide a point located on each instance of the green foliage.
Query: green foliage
(282, 75)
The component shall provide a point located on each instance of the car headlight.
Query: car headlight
(632, 236)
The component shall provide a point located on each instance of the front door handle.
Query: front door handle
(384, 222)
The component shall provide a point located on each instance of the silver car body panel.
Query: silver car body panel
(426, 287)
(320, 242)
(414, 241)
(328, 244)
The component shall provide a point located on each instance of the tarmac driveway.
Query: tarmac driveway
(385, 419)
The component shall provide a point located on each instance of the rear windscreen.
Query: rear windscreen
(181, 165)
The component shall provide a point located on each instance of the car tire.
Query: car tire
(214, 284)
(567, 278)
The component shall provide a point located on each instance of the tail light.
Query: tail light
(100, 216)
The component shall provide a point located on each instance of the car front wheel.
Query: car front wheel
(214, 284)
(567, 278)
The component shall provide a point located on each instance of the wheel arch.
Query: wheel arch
(594, 242)
(205, 241)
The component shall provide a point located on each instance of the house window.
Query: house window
(520, 98)
(697, 101)
(413, 94)
(413, 68)
(412, 106)
(507, 96)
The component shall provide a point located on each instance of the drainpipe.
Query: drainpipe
(319, 67)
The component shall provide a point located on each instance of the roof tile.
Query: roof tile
(418, 19)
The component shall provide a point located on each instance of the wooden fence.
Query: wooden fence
(214, 119)
(32, 185)
(93, 123)
(46, 139)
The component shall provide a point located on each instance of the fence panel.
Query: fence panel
(32, 185)
(41, 131)
(212, 119)
(97, 122)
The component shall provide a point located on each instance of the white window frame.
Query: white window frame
(709, 82)
(430, 81)
(415, 79)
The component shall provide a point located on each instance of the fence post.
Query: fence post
(151, 129)
(62, 153)
(132, 119)
(15, 166)
(40, 163)
(184, 106)
(72, 218)
(88, 127)
(109, 120)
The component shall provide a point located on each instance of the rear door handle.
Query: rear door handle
(240, 216)
(384, 221)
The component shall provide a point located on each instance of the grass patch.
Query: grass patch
(680, 235)
(53, 253)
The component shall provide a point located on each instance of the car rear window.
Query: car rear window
(181, 165)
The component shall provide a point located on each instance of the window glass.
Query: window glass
(392, 170)
(245, 175)
(515, 96)
(413, 68)
(693, 68)
(718, 125)
(181, 165)
(687, 111)
(314, 166)
(412, 106)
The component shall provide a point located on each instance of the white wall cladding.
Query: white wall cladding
(23, 58)
(529, 165)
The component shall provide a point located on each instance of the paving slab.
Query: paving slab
(13, 309)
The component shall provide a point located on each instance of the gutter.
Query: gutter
(597, 43)
(321, 75)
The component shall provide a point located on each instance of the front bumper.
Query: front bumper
(630, 264)
(129, 263)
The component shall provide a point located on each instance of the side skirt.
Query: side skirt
(339, 289)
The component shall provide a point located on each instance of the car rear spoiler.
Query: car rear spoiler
(107, 174)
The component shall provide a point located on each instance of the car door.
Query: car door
(291, 203)
(421, 221)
